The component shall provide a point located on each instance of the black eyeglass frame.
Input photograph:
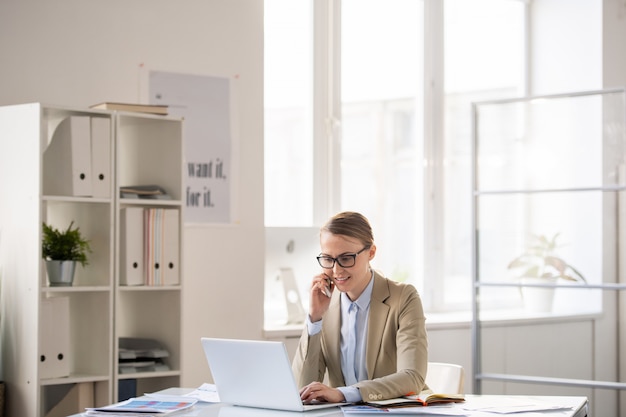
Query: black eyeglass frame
(336, 260)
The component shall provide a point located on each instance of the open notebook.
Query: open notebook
(254, 373)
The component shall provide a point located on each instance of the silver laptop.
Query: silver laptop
(254, 373)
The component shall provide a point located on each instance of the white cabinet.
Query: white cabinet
(55, 338)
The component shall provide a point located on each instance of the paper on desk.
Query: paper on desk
(136, 406)
(511, 405)
(206, 393)
(430, 410)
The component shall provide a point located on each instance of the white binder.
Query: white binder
(131, 246)
(101, 156)
(54, 355)
(150, 253)
(67, 159)
(152, 245)
(171, 261)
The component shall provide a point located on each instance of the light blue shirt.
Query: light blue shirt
(351, 393)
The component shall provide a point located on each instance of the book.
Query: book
(141, 407)
(132, 107)
(425, 398)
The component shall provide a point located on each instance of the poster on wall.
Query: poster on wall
(204, 102)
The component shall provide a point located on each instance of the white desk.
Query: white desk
(577, 407)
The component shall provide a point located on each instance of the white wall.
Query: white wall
(77, 53)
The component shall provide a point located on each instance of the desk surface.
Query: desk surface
(575, 407)
(474, 406)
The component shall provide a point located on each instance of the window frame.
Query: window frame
(327, 131)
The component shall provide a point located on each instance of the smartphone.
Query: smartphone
(327, 287)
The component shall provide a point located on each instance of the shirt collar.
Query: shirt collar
(364, 299)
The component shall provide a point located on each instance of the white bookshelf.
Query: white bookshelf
(137, 148)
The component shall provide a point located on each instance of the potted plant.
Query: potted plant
(62, 249)
(539, 264)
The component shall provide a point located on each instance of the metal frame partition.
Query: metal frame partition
(488, 186)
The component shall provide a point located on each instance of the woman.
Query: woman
(366, 331)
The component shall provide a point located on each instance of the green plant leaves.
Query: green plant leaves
(67, 245)
(539, 261)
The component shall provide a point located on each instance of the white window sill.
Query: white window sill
(456, 320)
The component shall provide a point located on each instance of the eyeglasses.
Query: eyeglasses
(346, 260)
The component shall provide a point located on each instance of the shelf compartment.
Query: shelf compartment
(153, 383)
(149, 152)
(90, 331)
(152, 315)
(74, 397)
(95, 221)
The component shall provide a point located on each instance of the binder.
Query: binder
(171, 261)
(54, 357)
(161, 246)
(131, 246)
(152, 248)
(101, 156)
(126, 388)
(67, 159)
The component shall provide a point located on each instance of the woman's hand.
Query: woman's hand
(318, 392)
(321, 289)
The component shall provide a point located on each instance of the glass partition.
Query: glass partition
(549, 216)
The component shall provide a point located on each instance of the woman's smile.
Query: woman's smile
(340, 280)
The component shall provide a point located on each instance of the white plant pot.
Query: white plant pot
(537, 299)
(60, 273)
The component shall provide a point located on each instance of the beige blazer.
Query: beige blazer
(397, 346)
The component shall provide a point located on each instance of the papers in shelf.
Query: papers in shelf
(144, 191)
(141, 355)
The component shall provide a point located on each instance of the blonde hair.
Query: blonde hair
(351, 224)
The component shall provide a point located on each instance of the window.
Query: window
(484, 55)
(381, 142)
(288, 113)
(387, 130)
